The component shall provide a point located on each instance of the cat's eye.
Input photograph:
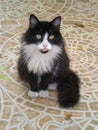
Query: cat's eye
(51, 37)
(38, 36)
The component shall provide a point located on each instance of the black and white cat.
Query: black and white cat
(44, 64)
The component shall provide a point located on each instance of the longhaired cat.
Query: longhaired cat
(44, 64)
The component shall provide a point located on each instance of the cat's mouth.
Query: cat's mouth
(44, 50)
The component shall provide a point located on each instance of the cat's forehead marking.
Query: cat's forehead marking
(46, 36)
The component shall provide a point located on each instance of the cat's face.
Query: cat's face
(44, 35)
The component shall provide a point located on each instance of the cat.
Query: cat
(44, 63)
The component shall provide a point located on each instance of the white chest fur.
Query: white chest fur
(38, 62)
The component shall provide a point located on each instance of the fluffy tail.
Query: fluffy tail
(68, 90)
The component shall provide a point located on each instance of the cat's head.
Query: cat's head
(44, 35)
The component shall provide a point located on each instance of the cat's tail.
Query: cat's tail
(68, 90)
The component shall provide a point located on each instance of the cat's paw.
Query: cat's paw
(32, 94)
(43, 94)
(52, 86)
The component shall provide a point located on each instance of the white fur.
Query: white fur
(43, 94)
(45, 43)
(32, 94)
(56, 70)
(40, 62)
(52, 86)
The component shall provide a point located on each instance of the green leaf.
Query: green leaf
(2, 68)
(3, 77)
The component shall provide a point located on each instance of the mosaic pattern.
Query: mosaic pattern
(80, 30)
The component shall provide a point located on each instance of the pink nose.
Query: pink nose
(45, 45)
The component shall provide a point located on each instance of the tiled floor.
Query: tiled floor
(80, 29)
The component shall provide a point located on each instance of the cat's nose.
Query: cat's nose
(45, 45)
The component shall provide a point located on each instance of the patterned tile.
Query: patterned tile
(80, 30)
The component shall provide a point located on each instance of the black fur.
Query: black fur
(68, 81)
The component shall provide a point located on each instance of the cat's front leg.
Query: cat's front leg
(33, 92)
(43, 86)
(44, 93)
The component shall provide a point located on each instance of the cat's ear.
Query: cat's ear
(56, 22)
(33, 21)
